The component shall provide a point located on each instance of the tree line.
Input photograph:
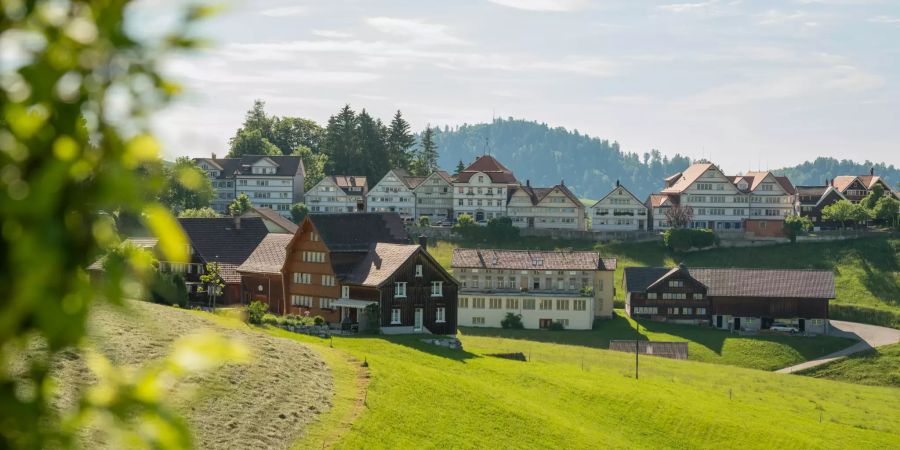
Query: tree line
(351, 143)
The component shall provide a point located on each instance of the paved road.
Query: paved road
(869, 336)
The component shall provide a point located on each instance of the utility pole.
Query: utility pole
(637, 352)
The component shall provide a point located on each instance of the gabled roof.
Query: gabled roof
(674, 271)
(733, 282)
(273, 216)
(537, 195)
(687, 178)
(498, 173)
(381, 261)
(843, 182)
(219, 240)
(358, 231)
(436, 174)
(619, 186)
(286, 166)
(269, 256)
(754, 179)
(345, 182)
(530, 259)
(658, 201)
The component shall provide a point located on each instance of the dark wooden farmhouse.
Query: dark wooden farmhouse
(738, 299)
(813, 199)
(356, 271)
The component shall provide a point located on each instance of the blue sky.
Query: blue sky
(748, 84)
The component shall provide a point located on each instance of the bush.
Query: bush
(256, 310)
(269, 319)
(424, 221)
(168, 289)
(319, 320)
(795, 225)
(556, 326)
(512, 321)
(683, 239)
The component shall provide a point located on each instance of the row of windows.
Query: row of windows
(314, 257)
(479, 202)
(306, 301)
(683, 311)
(437, 287)
(513, 283)
(440, 315)
(526, 304)
(674, 295)
(486, 191)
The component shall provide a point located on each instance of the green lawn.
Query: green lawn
(878, 367)
(704, 344)
(867, 271)
(424, 396)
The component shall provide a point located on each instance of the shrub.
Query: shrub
(683, 239)
(168, 289)
(556, 326)
(424, 221)
(319, 320)
(269, 319)
(256, 310)
(795, 225)
(512, 321)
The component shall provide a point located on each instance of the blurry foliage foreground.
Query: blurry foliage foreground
(75, 94)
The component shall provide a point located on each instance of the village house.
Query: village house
(547, 208)
(857, 187)
(357, 271)
(338, 194)
(811, 200)
(434, 197)
(480, 190)
(274, 182)
(570, 288)
(619, 210)
(394, 193)
(730, 298)
(657, 205)
(756, 202)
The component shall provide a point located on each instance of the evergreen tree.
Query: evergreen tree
(298, 212)
(340, 143)
(371, 139)
(240, 205)
(427, 156)
(400, 142)
(459, 167)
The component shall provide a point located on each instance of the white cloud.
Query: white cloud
(686, 7)
(776, 17)
(286, 11)
(885, 19)
(418, 31)
(542, 5)
(332, 34)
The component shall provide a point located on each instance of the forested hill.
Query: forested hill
(816, 172)
(533, 151)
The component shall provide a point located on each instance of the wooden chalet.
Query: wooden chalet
(738, 299)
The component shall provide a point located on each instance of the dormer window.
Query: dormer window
(537, 262)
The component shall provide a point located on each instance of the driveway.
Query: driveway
(869, 337)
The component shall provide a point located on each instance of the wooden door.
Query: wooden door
(418, 323)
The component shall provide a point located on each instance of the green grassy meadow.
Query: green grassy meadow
(764, 352)
(878, 367)
(867, 270)
(424, 396)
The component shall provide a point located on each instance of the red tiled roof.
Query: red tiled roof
(657, 200)
(536, 195)
(269, 256)
(498, 173)
(530, 259)
(688, 177)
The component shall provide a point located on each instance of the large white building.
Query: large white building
(338, 194)
(434, 197)
(274, 182)
(549, 208)
(619, 210)
(721, 202)
(570, 288)
(394, 193)
(481, 189)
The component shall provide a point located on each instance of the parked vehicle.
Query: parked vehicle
(784, 328)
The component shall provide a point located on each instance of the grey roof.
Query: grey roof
(146, 243)
(530, 259)
(273, 216)
(288, 166)
(358, 231)
(732, 282)
(269, 256)
(219, 240)
(380, 263)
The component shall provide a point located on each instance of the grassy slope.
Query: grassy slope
(254, 405)
(867, 271)
(879, 367)
(705, 344)
(425, 396)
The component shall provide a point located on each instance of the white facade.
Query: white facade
(480, 198)
(434, 197)
(392, 194)
(259, 180)
(537, 311)
(546, 208)
(328, 197)
(619, 210)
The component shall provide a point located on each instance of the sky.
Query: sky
(746, 84)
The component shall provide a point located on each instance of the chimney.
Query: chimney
(423, 242)
(562, 182)
(237, 221)
(214, 155)
(528, 183)
(872, 171)
(617, 183)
